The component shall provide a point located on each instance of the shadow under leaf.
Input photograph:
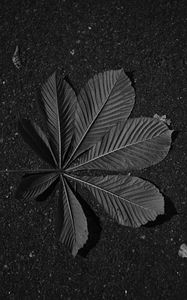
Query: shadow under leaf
(45, 195)
(94, 227)
(131, 77)
(170, 211)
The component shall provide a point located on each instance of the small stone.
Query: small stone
(31, 254)
(5, 267)
(142, 237)
(183, 251)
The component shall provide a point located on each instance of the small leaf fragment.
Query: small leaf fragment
(162, 119)
(16, 58)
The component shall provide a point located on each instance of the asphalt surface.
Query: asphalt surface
(147, 39)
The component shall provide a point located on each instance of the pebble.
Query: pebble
(183, 251)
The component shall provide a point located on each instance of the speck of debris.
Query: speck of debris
(142, 237)
(72, 52)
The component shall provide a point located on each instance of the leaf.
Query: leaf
(95, 138)
(136, 144)
(106, 99)
(130, 200)
(58, 105)
(71, 224)
(33, 135)
(33, 185)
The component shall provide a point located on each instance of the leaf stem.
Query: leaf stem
(32, 171)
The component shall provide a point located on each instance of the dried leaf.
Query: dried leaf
(162, 119)
(16, 58)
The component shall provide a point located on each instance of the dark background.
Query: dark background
(145, 38)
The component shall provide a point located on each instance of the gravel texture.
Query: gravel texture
(146, 38)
